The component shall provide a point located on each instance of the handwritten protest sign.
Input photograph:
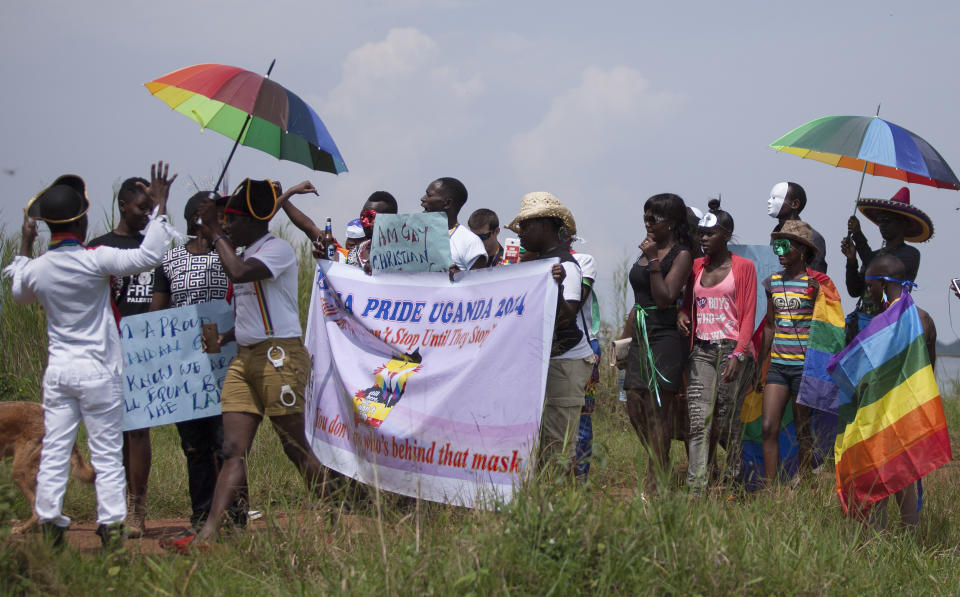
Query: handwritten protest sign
(430, 389)
(167, 378)
(410, 243)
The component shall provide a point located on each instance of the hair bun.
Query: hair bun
(714, 204)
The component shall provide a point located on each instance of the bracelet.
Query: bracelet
(655, 259)
(214, 243)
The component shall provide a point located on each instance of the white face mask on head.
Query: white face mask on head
(777, 196)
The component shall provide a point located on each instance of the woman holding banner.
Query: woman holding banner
(658, 353)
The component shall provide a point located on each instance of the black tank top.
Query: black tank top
(640, 281)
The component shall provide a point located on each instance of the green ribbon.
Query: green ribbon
(642, 314)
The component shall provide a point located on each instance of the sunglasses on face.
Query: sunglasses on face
(485, 235)
(781, 246)
(653, 219)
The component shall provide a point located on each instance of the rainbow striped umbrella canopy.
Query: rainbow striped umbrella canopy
(883, 148)
(220, 97)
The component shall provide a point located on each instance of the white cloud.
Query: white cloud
(400, 103)
(610, 111)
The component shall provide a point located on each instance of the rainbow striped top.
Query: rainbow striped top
(792, 312)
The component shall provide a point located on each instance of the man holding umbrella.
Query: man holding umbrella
(898, 221)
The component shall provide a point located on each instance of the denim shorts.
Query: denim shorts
(785, 375)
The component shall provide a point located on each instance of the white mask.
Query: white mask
(777, 196)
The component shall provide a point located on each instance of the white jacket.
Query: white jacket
(73, 285)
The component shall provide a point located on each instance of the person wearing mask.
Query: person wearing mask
(718, 315)
(787, 200)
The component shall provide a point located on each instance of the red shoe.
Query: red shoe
(184, 545)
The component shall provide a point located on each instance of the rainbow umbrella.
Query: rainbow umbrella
(250, 109)
(870, 145)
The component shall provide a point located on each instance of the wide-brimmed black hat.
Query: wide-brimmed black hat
(254, 198)
(62, 202)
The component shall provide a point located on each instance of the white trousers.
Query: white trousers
(91, 392)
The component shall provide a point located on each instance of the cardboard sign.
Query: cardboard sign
(410, 243)
(167, 378)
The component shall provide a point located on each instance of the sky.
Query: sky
(603, 104)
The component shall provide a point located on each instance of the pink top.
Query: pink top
(716, 309)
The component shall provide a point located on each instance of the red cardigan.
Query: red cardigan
(745, 299)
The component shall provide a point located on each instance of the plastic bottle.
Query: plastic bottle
(622, 396)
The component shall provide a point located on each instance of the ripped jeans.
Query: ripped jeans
(714, 410)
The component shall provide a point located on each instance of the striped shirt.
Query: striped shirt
(792, 312)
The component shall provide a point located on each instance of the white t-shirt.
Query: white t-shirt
(590, 310)
(571, 292)
(268, 308)
(465, 247)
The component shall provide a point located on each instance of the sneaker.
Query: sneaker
(136, 520)
(53, 535)
(112, 536)
(254, 515)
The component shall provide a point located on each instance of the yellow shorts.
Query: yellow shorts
(254, 385)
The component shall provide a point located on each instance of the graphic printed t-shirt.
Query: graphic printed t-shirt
(268, 308)
(792, 312)
(572, 282)
(189, 278)
(465, 247)
(131, 294)
(716, 310)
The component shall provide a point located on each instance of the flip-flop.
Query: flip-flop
(184, 545)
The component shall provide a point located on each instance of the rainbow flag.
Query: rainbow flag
(892, 429)
(817, 389)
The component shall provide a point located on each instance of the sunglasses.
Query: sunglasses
(653, 219)
(485, 235)
(781, 246)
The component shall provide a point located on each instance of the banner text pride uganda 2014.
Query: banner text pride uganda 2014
(443, 311)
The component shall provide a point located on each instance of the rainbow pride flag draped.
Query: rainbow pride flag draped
(892, 427)
(817, 389)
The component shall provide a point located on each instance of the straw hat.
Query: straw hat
(797, 231)
(919, 225)
(541, 204)
(62, 202)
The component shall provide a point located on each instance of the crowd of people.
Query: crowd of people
(695, 347)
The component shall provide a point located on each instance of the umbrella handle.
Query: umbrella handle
(243, 129)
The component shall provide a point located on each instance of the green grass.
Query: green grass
(554, 538)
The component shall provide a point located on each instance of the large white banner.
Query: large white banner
(429, 388)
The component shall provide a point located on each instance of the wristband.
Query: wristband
(214, 243)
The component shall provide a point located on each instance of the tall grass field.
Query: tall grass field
(554, 538)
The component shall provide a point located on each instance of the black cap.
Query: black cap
(62, 202)
(194, 203)
(256, 198)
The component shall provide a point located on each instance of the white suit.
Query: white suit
(83, 376)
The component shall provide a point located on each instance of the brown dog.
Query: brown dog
(21, 436)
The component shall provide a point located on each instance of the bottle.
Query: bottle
(622, 396)
(328, 240)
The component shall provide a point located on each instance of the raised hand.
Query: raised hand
(28, 234)
(304, 188)
(853, 225)
(159, 188)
